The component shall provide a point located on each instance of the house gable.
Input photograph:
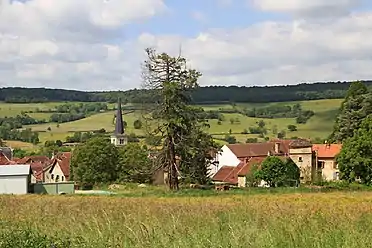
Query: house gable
(227, 157)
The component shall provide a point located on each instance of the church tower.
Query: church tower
(118, 138)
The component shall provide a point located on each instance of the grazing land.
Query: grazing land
(225, 219)
(318, 126)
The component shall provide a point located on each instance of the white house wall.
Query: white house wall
(55, 172)
(225, 158)
(17, 185)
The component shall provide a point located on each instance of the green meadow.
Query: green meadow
(319, 126)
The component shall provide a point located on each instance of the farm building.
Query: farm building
(15, 179)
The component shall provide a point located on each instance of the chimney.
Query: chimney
(277, 147)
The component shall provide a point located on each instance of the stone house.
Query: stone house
(326, 160)
(234, 161)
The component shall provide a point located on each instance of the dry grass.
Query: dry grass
(284, 220)
(20, 144)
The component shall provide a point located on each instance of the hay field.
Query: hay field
(305, 220)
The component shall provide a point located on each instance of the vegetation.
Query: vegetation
(227, 219)
(355, 159)
(204, 95)
(185, 149)
(276, 172)
(356, 106)
(134, 164)
(95, 162)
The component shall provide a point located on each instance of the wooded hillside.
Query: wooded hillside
(205, 95)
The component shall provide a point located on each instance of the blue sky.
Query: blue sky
(92, 45)
(191, 17)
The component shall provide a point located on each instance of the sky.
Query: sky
(99, 44)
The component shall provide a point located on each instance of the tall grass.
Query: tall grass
(336, 219)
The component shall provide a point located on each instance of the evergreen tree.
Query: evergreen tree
(177, 123)
(355, 158)
(356, 106)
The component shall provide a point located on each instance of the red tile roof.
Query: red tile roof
(4, 160)
(226, 174)
(230, 174)
(327, 150)
(63, 159)
(260, 149)
(31, 159)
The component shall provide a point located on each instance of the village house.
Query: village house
(44, 169)
(59, 168)
(326, 160)
(234, 161)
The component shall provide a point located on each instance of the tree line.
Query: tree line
(204, 95)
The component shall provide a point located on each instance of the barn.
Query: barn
(15, 179)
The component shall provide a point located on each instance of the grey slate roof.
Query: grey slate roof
(119, 127)
(15, 170)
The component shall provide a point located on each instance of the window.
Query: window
(121, 141)
(299, 159)
(57, 178)
(337, 174)
(52, 177)
(335, 165)
(321, 164)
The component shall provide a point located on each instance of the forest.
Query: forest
(202, 95)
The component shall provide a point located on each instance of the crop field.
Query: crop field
(319, 126)
(306, 220)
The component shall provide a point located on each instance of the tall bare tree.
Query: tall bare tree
(169, 81)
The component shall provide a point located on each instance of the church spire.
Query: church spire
(119, 127)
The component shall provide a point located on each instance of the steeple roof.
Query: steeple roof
(119, 127)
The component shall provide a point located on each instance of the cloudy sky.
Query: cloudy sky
(99, 44)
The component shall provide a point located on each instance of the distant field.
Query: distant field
(185, 219)
(19, 144)
(319, 126)
(13, 109)
(94, 122)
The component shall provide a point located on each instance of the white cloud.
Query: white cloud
(80, 45)
(305, 8)
(281, 52)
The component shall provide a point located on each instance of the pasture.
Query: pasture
(319, 126)
(224, 219)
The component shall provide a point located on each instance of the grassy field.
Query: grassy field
(319, 126)
(225, 219)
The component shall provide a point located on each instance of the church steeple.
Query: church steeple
(119, 125)
(118, 138)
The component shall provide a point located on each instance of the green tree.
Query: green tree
(95, 162)
(356, 106)
(230, 139)
(251, 178)
(171, 82)
(251, 140)
(292, 128)
(355, 158)
(277, 172)
(134, 164)
(137, 124)
(281, 135)
(261, 124)
(274, 129)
